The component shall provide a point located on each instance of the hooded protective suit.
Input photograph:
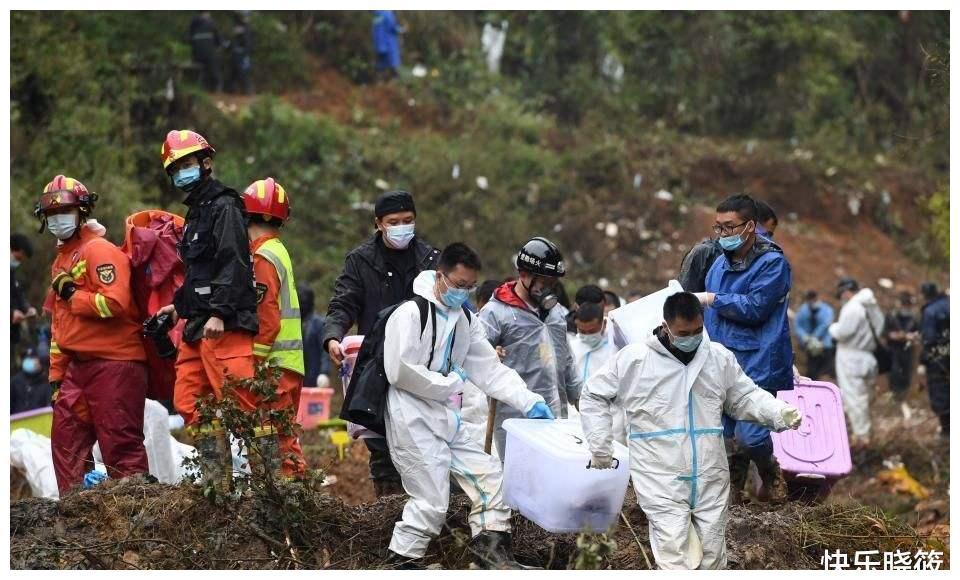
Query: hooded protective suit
(537, 349)
(589, 359)
(424, 432)
(677, 458)
(856, 365)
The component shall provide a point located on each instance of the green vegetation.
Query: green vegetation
(558, 142)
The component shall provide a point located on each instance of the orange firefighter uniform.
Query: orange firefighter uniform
(291, 381)
(97, 358)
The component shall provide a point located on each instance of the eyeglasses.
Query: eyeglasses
(450, 283)
(727, 230)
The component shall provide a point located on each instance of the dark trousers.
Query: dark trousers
(381, 466)
(938, 387)
(822, 364)
(901, 370)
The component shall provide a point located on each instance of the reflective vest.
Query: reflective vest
(287, 349)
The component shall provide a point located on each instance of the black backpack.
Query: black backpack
(365, 402)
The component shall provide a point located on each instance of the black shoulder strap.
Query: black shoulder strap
(423, 304)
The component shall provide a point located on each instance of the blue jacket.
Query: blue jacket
(814, 322)
(385, 38)
(315, 357)
(935, 323)
(749, 313)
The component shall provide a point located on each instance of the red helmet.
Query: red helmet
(64, 192)
(179, 144)
(266, 197)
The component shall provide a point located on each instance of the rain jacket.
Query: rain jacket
(219, 268)
(678, 461)
(366, 285)
(386, 40)
(749, 313)
(537, 349)
(814, 322)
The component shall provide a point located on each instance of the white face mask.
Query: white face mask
(62, 225)
(398, 237)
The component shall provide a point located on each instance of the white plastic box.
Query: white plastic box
(545, 477)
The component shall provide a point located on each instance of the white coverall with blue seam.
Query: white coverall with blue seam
(677, 459)
(424, 429)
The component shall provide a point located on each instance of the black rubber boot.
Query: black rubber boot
(494, 551)
(397, 562)
(774, 488)
(739, 465)
(387, 487)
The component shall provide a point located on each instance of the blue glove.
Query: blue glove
(540, 411)
(92, 478)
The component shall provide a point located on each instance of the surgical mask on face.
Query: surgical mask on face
(455, 297)
(685, 343)
(732, 243)
(14, 262)
(591, 340)
(398, 237)
(186, 177)
(62, 225)
(31, 366)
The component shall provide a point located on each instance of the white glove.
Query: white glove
(705, 298)
(600, 462)
(323, 381)
(791, 416)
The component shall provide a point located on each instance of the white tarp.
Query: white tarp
(635, 321)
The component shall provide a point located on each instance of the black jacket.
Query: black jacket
(219, 268)
(696, 264)
(365, 287)
(17, 302)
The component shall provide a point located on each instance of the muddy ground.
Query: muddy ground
(132, 524)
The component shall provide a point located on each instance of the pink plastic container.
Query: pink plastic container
(819, 448)
(314, 406)
(351, 349)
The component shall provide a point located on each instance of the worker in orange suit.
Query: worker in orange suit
(278, 307)
(97, 362)
(217, 298)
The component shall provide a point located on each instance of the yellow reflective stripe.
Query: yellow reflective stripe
(261, 349)
(280, 193)
(68, 183)
(261, 189)
(54, 348)
(102, 308)
(79, 270)
(184, 134)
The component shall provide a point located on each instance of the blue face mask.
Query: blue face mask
(453, 297)
(31, 366)
(732, 243)
(685, 343)
(186, 177)
(398, 237)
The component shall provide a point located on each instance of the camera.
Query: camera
(156, 328)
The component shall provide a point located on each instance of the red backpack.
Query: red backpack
(157, 272)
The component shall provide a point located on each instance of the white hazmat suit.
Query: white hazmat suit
(589, 359)
(424, 427)
(678, 462)
(856, 365)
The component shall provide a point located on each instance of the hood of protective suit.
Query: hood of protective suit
(423, 285)
(865, 296)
